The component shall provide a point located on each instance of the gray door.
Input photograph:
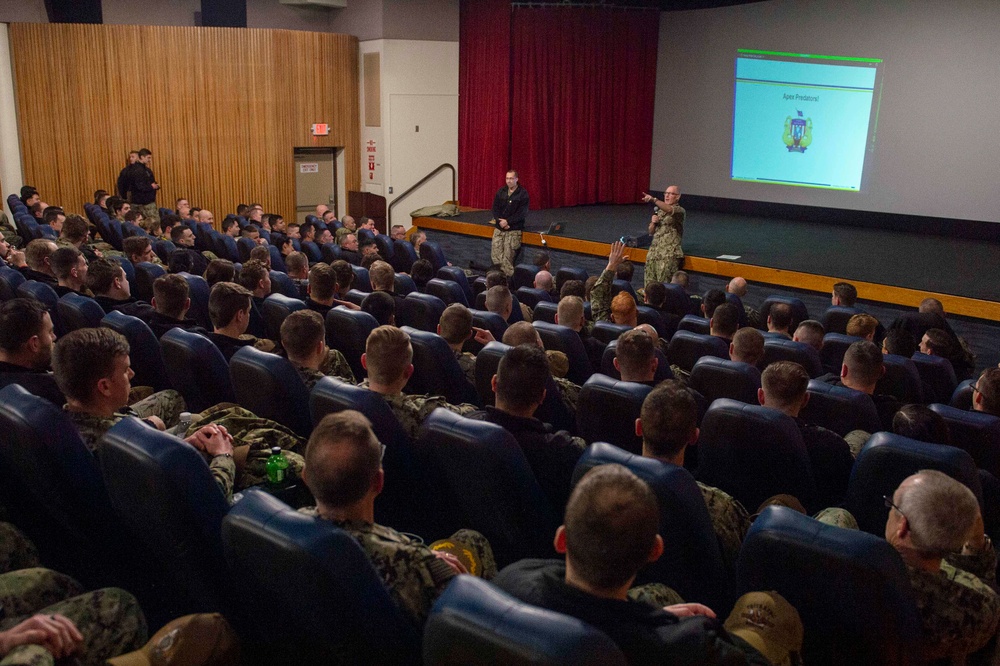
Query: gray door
(315, 180)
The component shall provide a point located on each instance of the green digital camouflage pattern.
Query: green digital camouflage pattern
(467, 362)
(16, 550)
(152, 214)
(109, 619)
(838, 518)
(259, 434)
(656, 594)
(729, 520)
(569, 393)
(411, 410)
(665, 254)
(600, 297)
(335, 365)
(958, 607)
(167, 405)
(503, 247)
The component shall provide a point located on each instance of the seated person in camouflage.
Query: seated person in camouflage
(523, 333)
(229, 310)
(172, 300)
(747, 346)
(343, 471)
(519, 386)
(381, 306)
(93, 370)
(936, 525)
(862, 368)
(609, 534)
(784, 385)
(636, 357)
(70, 268)
(303, 337)
(139, 249)
(106, 279)
(255, 278)
(500, 301)
(779, 321)
(668, 425)
(738, 287)
(26, 340)
(600, 296)
(388, 359)
(37, 256)
(455, 326)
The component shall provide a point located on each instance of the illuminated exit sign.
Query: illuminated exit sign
(320, 129)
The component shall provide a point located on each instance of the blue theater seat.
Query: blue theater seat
(686, 348)
(840, 409)
(199, 299)
(348, 331)
(79, 311)
(163, 250)
(144, 350)
(311, 578)
(678, 302)
(404, 284)
(566, 273)
(532, 297)
(606, 332)
(566, 340)
(432, 252)
(524, 276)
(330, 252)
(312, 251)
(545, 311)
(977, 433)
(715, 378)
(606, 411)
(741, 313)
(937, 375)
(694, 324)
(834, 347)
(45, 295)
(275, 309)
(277, 261)
(447, 290)
(403, 255)
(456, 274)
(797, 352)
(269, 386)
(623, 285)
(197, 369)
(436, 371)
(421, 311)
(851, 589)
(901, 379)
(362, 281)
(284, 285)
(10, 280)
(491, 321)
(962, 397)
(475, 624)
(355, 296)
(835, 318)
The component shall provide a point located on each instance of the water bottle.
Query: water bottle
(276, 466)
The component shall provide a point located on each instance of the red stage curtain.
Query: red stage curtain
(483, 99)
(582, 103)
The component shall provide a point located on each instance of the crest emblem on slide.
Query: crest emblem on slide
(798, 133)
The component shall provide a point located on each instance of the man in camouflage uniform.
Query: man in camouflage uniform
(456, 328)
(510, 206)
(667, 229)
(61, 618)
(344, 473)
(303, 336)
(936, 525)
(387, 359)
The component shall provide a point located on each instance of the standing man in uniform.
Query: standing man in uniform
(142, 186)
(510, 206)
(666, 227)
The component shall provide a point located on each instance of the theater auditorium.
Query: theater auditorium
(499, 332)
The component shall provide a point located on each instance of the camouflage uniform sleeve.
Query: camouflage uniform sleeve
(959, 611)
(223, 469)
(16, 550)
(729, 520)
(467, 362)
(336, 365)
(569, 393)
(600, 297)
(92, 428)
(981, 565)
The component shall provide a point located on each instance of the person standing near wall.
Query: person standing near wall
(141, 186)
(510, 206)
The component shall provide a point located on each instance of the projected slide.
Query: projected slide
(804, 120)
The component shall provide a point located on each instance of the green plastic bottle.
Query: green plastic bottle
(276, 466)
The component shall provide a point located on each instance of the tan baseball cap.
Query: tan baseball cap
(192, 640)
(770, 624)
(465, 555)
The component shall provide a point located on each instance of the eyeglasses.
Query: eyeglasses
(889, 505)
(975, 389)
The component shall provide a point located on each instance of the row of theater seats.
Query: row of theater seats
(147, 514)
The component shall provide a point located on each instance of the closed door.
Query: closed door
(315, 180)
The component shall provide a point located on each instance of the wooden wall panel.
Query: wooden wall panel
(221, 108)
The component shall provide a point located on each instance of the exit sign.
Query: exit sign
(320, 129)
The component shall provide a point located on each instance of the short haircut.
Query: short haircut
(940, 512)
(544, 280)
(261, 254)
(98, 195)
(726, 319)
(780, 315)
(306, 228)
(656, 294)
(101, 275)
(37, 251)
(572, 288)
(900, 342)
(75, 228)
(381, 305)
(301, 331)
(669, 417)
(344, 273)
(296, 261)
(570, 310)
(369, 260)
(342, 457)
(220, 270)
(171, 293)
(846, 292)
(136, 245)
(623, 308)
(784, 383)
(387, 354)
(115, 204)
(133, 215)
(180, 261)
(541, 259)
(864, 360)
(522, 375)
(225, 301)
(456, 323)
(169, 221)
(498, 298)
(988, 386)
(931, 305)
(635, 351)
(228, 223)
(143, 152)
(177, 231)
(382, 277)
(64, 260)
(712, 299)
(494, 278)
(921, 423)
(322, 281)
(938, 340)
(52, 214)
(242, 209)
(862, 325)
(810, 332)
(681, 278)
(83, 357)
(520, 333)
(344, 240)
(625, 271)
(748, 345)
(251, 274)
(250, 229)
(612, 520)
(20, 320)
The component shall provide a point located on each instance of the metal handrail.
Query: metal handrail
(454, 190)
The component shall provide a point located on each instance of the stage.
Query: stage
(886, 266)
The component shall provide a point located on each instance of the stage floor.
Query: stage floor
(918, 263)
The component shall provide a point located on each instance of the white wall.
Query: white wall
(11, 175)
